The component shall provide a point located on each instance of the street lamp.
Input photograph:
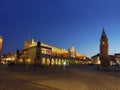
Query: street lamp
(1, 40)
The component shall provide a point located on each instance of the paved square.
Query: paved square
(82, 78)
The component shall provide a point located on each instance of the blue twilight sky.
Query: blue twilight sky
(60, 23)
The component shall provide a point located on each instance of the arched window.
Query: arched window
(43, 61)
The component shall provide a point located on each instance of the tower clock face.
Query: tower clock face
(103, 42)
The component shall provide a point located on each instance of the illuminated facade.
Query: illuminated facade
(11, 56)
(1, 41)
(41, 53)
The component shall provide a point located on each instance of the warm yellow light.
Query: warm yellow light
(64, 63)
(43, 61)
(28, 61)
(98, 62)
(1, 40)
(9, 59)
(20, 60)
(52, 62)
(48, 61)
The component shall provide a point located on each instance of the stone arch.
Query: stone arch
(52, 61)
(43, 61)
(56, 61)
(48, 61)
(59, 62)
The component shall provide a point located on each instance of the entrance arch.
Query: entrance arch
(52, 61)
(43, 61)
(48, 61)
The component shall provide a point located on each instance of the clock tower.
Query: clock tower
(104, 56)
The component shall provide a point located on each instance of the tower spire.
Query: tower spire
(103, 36)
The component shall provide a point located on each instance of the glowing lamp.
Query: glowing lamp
(1, 43)
(0, 47)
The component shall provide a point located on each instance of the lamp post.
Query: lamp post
(1, 40)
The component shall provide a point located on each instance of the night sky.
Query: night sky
(60, 23)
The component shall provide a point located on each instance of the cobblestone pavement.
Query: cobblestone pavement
(58, 79)
(18, 84)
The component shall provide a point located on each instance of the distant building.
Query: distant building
(41, 53)
(11, 56)
(104, 57)
(1, 41)
(95, 59)
(113, 59)
(117, 58)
